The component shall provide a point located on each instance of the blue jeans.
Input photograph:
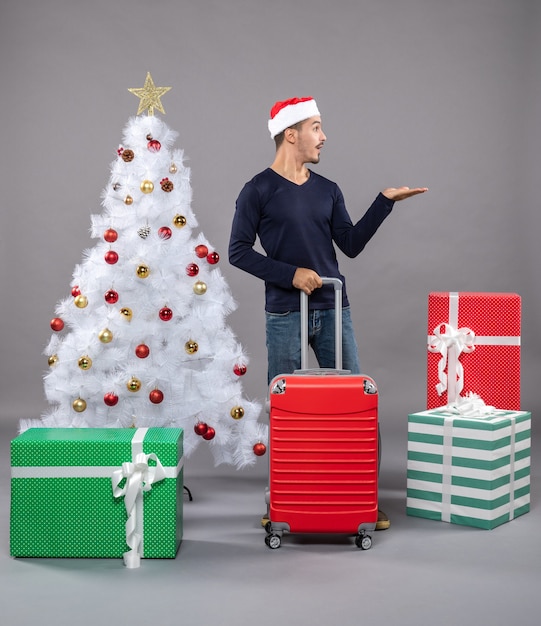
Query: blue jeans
(284, 341)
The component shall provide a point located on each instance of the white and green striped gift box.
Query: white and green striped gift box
(469, 470)
(62, 498)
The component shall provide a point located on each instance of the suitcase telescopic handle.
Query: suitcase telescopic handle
(337, 283)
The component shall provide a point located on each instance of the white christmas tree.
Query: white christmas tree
(142, 341)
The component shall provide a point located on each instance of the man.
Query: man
(298, 216)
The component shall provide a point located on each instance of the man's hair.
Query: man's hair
(279, 138)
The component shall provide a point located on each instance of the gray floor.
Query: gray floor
(418, 572)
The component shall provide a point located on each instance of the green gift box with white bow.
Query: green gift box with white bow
(97, 492)
(473, 471)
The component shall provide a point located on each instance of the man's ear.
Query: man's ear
(290, 135)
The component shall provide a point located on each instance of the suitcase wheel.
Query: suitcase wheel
(364, 542)
(273, 541)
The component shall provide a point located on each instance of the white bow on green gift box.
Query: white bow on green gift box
(139, 477)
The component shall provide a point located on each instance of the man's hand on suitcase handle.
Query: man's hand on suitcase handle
(306, 280)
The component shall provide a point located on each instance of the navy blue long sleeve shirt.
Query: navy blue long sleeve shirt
(296, 226)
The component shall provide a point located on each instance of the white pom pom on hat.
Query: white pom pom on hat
(286, 113)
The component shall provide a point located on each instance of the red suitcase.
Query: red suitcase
(323, 447)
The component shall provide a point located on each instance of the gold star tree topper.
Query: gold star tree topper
(149, 96)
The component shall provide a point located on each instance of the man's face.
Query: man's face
(310, 139)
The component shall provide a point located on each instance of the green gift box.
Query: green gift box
(473, 471)
(96, 492)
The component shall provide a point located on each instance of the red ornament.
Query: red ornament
(200, 428)
(192, 269)
(110, 399)
(110, 235)
(111, 257)
(165, 232)
(57, 324)
(209, 434)
(165, 314)
(201, 251)
(240, 369)
(111, 296)
(75, 291)
(213, 258)
(154, 145)
(156, 396)
(259, 449)
(142, 351)
(120, 150)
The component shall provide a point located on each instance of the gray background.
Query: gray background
(442, 93)
(438, 93)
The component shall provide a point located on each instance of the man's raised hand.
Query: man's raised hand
(401, 193)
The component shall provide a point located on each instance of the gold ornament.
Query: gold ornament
(81, 301)
(134, 384)
(85, 362)
(126, 313)
(143, 270)
(79, 405)
(200, 288)
(147, 186)
(237, 412)
(128, 200)
(149, 96)
(105, 335)
(173, 169)
(53, 360)
(179, 221)
(191, 347)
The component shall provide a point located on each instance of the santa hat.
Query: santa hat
(289, 112)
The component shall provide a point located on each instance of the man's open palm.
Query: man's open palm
(401, 193)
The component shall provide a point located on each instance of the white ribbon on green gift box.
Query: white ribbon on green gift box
(450, 342)
(471, 407)
(139, 477)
